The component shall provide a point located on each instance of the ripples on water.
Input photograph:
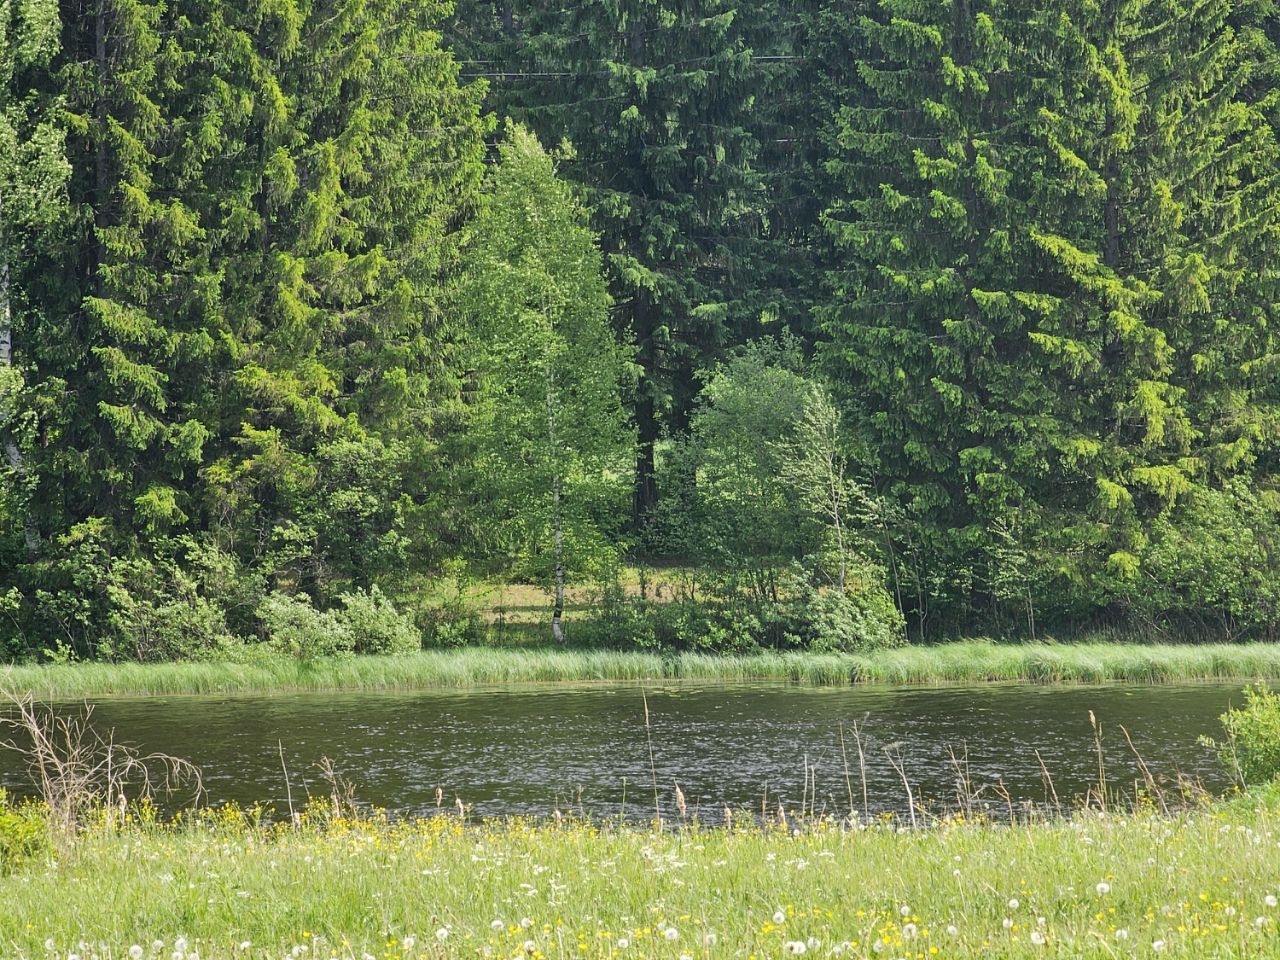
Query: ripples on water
(531, 750)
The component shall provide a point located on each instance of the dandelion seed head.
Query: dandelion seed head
(136, 952)
(1103, 888)
(671, 934)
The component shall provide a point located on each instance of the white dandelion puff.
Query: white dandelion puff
(1103, 888)
(794, 948)
(1037, 938)
(136, 952)
(672, 934)
(497, 925)
(779, 918)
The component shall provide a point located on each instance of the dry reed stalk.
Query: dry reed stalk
(78, 770)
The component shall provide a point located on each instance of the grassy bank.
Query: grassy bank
(966, 662)
(1201, 884)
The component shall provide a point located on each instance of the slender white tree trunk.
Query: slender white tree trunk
(557, 510)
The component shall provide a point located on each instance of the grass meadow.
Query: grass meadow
(1200, 884)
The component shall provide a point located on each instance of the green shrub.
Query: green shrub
(24, 832)
(295, 627)
(1251, 749)
(376, 626)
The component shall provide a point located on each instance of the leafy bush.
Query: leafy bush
(1251, 750)
(295, 627)
(24, 832)
(376, 626)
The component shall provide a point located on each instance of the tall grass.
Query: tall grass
(961, 662)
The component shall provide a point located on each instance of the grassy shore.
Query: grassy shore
(1200, 884)
(964, 662)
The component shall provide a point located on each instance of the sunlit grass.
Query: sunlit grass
(962, 662)
(1200, 884)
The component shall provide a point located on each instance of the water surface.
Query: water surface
(535, 749)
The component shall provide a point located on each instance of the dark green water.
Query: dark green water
(536, 749)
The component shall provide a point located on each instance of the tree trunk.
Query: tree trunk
(557, 614)
(646, 488)
(557, 507)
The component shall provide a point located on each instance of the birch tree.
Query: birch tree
(550, 441)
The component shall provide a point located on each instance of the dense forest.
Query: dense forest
(864, 321)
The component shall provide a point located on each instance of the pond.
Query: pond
(586, 748)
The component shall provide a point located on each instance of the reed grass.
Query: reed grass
(953, 663)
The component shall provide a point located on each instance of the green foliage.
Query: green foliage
(24, 832)
(548, 440)
(1251, 750)
(375, 626)
(295, 628)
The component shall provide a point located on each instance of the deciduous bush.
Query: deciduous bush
(1251, 745)
(375, 625)
(293, 626)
